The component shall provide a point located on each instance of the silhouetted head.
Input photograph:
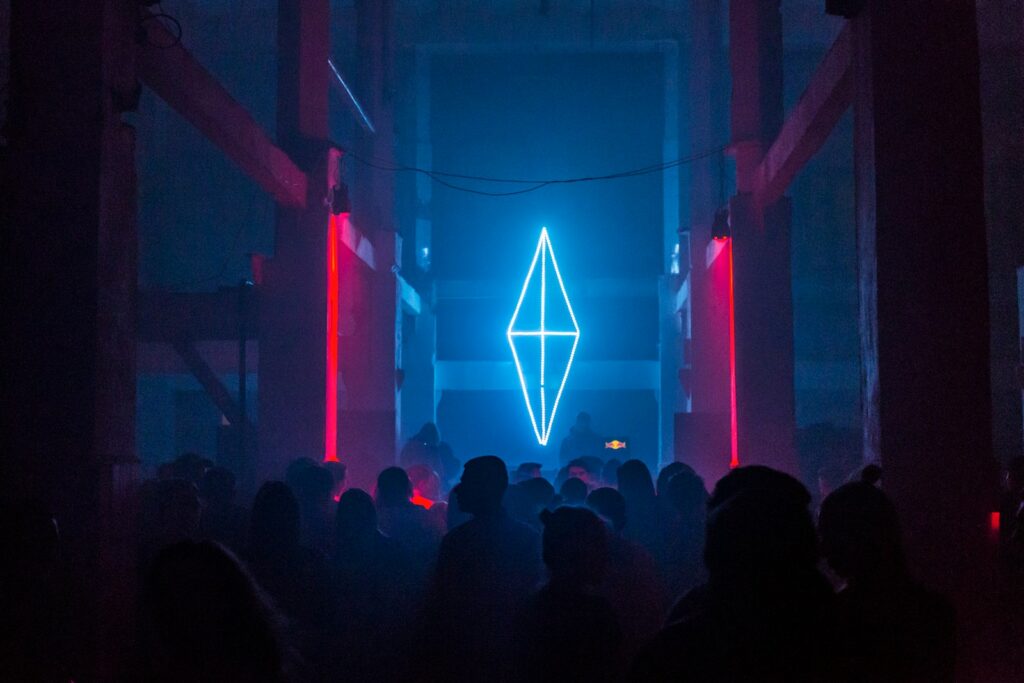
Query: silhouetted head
(274, 522)
(206, 618)
(762, 534)
(583, 422)
(860, 534)
(586, 471)
(575, 546)
(393, 487)
(191, 467)
(356, 518)
(573, 491)
(667, 472)
(294, 471)
(217, 487)
(609, 504)
(177, 510)
(687, 494)
(539, 490)
(635, 481)
(757, 478)
(455, 515)
(315, 484)
(483, 485)
(527, 470)
(871, 474)
(428, 434)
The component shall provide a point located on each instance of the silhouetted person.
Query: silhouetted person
(683, 558)
(637, 487)
(581, 441)
(568, 631)
(631, 585)
(170, 512)
(573, 492)
(871, 474)
(191, 467)
(454, 515)
(405, 522)
(205, 620)
(527, 470)
(893, 629)
(427, 448)
(36, 636)
(486, 569)
(765, 614)
(221, 519)
(313, 487)
(587, 470)
(667, 472)
(610, 473)
(373, 584)
(295, 577)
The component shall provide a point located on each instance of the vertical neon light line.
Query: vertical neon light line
(734, 460)
(543, 311)
(331, 398)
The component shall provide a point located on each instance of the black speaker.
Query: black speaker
(844, 8)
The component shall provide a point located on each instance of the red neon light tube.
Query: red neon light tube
(734, 460)
(331, 398)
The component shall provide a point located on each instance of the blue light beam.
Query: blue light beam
(544, 253)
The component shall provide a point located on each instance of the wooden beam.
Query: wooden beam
(358, 243)
(201, 316)
(827, 97)
(209, 380)
(181, 81)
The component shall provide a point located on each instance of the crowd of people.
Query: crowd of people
(604, 574)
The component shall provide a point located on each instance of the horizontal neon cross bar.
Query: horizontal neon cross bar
(544, 255)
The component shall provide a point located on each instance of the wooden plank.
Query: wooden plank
(209, 380)
(823, 103)
(181, 81)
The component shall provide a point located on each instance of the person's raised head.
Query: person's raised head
(575, 546)
(393, 487)
(635, 480)
(584, 470)
(860, 533)
(573, 491)
(609, 504)
(482, 485)
(217, 486)
(274, 522)
(762, 536)
(583, 421)
(356, 517)
(687, 494)
(539, 490)
(313, 485)
(527, 470)
(758, 478)
(667, 472)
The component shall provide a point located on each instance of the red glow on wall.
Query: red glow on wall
(734, 460)
(994, 521)
(331, 398)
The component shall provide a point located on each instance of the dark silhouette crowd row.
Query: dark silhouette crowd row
(611, 577)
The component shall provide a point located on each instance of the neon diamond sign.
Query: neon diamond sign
(543, 335)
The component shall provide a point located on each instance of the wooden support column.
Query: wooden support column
(368, 424)
(702, 436)
(70, 250)
(763, 306)
(924, 292)
(293, 325)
